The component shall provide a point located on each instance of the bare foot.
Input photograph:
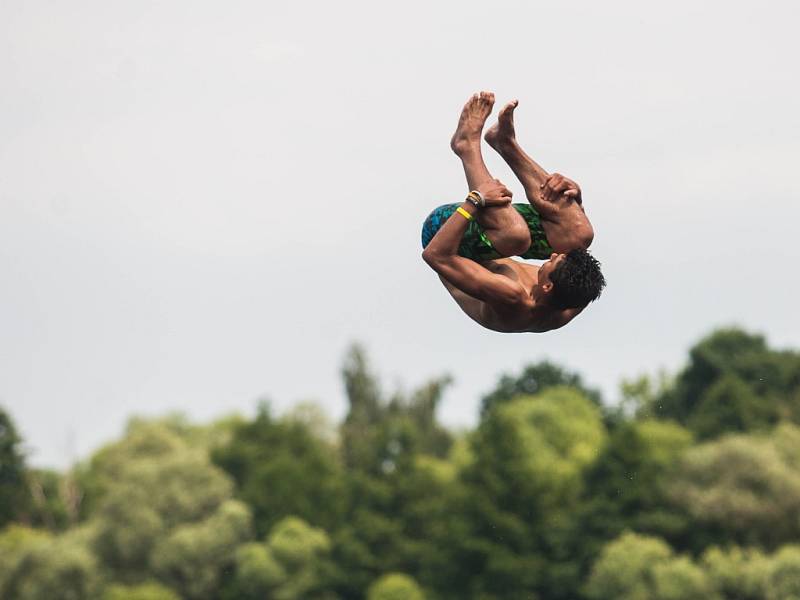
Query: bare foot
(468, 133)
(501, 134)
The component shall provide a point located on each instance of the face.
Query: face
(547, 268)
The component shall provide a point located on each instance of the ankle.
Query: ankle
(466, 148)
(507, 146)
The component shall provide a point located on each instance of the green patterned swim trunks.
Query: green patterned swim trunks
(476, 245)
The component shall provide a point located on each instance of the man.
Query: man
(469, 245)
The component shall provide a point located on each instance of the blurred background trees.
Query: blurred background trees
(687, 487)
(13, 491)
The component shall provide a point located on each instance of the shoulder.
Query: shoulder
(512, 295)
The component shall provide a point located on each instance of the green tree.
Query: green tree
(393, 450)
(15, 542)
(149, 498)
(256, 573)
(640, 395)
(281, 469)
(13, 491)
(733, 383)
(626, 488)
(534, 379)
(419, 412)
(151, 450)
(161, 509)
(192, 558)
(54, 500)
(289, 565)
(742, 488)
(395, 586)
(145, 591)
(518, 533)
(395, 501)
(730, 405)
(624, 568)
(40, 565)
(375, 429)
(784, 576)
(737, 573)
(396, 520)
(635, 567)
(681, 579)
(365, 412)
(298, 548)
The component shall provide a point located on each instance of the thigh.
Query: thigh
(499, 218)
(506, 229)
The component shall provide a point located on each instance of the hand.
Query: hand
(556, 186)
(495, 193)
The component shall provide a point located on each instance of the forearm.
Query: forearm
(445, 243)
(464, 274)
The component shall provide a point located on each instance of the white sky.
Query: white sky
(202, 204)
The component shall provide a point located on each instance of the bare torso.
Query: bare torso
(512, 319)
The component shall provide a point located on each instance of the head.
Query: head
(570, 280)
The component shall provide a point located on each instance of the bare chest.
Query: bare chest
(526, 275)
(500, 318)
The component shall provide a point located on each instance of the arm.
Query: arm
(463, 273)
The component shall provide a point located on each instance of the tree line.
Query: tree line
(689, 487)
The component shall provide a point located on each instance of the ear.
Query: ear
(547, 287)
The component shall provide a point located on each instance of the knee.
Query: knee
(580, 236)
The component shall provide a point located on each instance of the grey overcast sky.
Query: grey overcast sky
(203, 203)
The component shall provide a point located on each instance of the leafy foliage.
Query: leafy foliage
(41, 566)
(395, 586)
(737, 573)
(635, 567)
(744, 489)
(526, 479)
(144, 591)
(534, 379)
(734, 383)
(193, 556)
(628, 486)
(688, 488)
(13, 491)
(281, 469)
(289, 565)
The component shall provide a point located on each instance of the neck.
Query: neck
(540, 297)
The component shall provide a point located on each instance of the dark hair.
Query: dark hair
(577, 280)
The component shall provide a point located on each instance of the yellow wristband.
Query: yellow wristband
(464, 214)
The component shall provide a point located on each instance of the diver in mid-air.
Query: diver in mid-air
(469, 244)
